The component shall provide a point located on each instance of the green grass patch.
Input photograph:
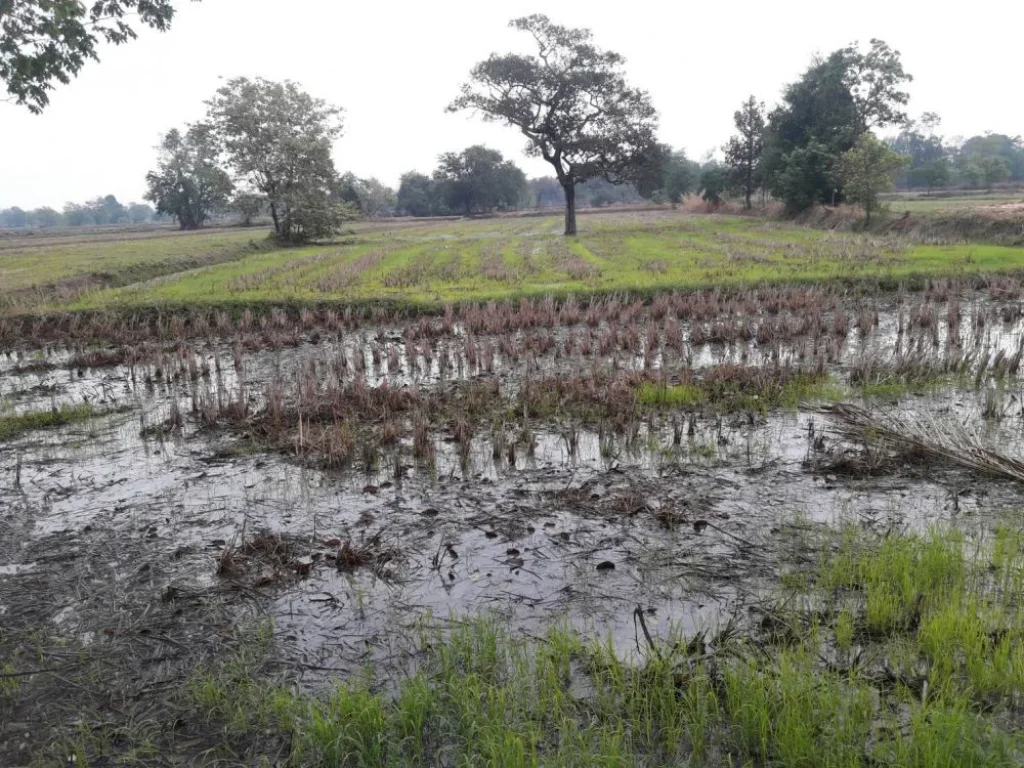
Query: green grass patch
(670, 395)
(745, 389)
(16, 424)
(434, 263)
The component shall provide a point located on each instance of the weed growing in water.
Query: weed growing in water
(15, 424)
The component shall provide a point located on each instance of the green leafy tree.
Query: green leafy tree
(993, 170)
(1007, 148)
(971, 172)
(823, 114)
(868, 169)
(309, 214)
(374, 198)
(278, 141)
(808, 176)
(13, 218)
(714, 181)
(932, 174)
(43, 41)
(76, 215)
(106, 210)
(248, 206)
(417, 195)
(666, 175)
(140, 213)
(189, 183)
(681, 177)
(45, 217)
(744, 150)
(572, 103)
(479, 179)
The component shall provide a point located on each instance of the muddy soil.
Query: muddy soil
(121, 536)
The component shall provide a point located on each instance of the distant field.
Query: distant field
(64, 265)
(106, 257)
(439, 262)
(919, 204)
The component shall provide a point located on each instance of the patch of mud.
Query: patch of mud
(113, 539)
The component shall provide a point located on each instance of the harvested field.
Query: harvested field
(642, 524)
(424, 265)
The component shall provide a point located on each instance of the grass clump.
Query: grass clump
(15, 424)
(940, 614)
(731, 388)
(897, 650)
(902, 650)
(670, 395)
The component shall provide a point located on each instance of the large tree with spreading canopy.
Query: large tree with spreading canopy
(571, 101)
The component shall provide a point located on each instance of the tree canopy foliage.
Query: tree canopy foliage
(189, 183)
(572, 103)
(479, 180)
(823, 114)
(744, 150)
(867, 169)
(50, 40)
(278, 141)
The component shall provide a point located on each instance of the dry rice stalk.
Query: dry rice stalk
(915, 433)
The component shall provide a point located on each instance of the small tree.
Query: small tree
(140, 213)
(107, 210)
(76, 215)
(188, 183)
(278, 140)
(311, 215)
(714, 181)
(13, 218)
(932, 174)
(572, 103)
(248, 206)
(417, 195)
(743, 152)
(993, 170)
(868, 169)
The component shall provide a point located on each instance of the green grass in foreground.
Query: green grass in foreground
(435, 263)
(897, 651)
(16, 424)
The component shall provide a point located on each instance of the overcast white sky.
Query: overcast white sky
(394, 66)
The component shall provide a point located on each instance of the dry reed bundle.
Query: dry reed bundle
(924, 435)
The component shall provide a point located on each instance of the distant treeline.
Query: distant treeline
(479, 181)
(100, 211)
(980, 162)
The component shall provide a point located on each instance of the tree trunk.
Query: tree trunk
(747, 190)
(273, 215)
(570, 208)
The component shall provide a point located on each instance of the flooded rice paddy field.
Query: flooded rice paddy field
(546, 462)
